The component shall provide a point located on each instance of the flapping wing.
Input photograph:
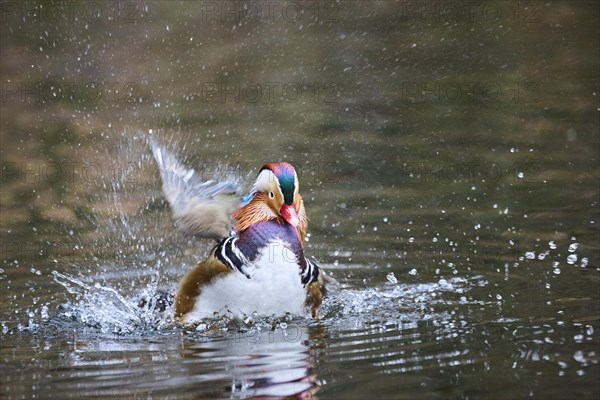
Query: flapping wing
(200, 208)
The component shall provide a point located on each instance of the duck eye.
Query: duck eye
(271, 194)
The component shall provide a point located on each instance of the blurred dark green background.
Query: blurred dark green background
(435, 140)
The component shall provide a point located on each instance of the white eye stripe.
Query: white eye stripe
(296, 184)
(265, 181)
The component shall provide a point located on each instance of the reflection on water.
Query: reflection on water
(261, 363)
(300, 359)
(250, 364)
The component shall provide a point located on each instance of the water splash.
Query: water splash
(105, 308)
(394, 300)
(138, 229)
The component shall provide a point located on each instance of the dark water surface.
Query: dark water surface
(449, 161)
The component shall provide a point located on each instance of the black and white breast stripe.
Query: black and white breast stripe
(229, 254)
(310, 273)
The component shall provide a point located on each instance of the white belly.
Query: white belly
(274, 289)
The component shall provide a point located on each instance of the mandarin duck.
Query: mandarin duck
(258, 264)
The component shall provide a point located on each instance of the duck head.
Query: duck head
(274, 196)
(280, 182)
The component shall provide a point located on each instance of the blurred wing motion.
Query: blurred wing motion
(200, 208)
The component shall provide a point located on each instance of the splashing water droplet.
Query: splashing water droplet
(44, 312)
(573, 247)
(391, 278)
(572, 259)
